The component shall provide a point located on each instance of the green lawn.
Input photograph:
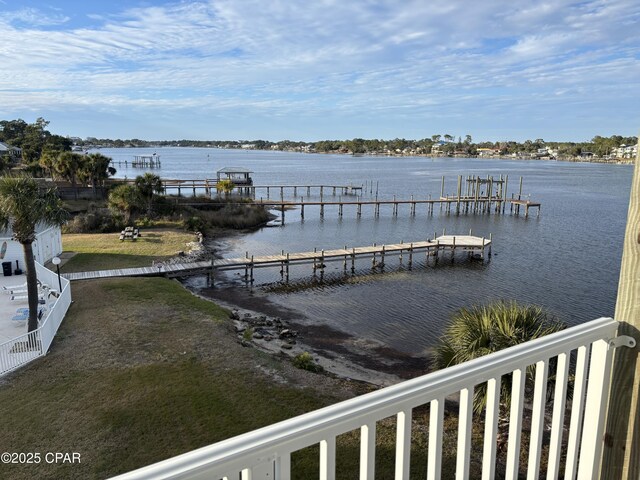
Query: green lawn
(141, 370)
(102, 251)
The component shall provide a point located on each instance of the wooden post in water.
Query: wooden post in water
(621, 455)
(353, 260)
(459, 193)
(519, 197)
(287, 267)
(410, 254)
(504, 193)
(302, 207)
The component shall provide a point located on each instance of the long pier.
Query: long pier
(208, 186)
(435, 248)
(449, 204)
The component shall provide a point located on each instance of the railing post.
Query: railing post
(328, 459)
(403, 444)
(367, 451)
(621, 459)
(594, 410)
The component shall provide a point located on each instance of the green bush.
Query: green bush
(194, 224)
(305, 361)
(94, 222)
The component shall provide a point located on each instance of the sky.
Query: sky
(323, 69)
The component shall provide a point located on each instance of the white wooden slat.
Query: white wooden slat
(577, 412)
(434, 462)
(595, 409)
(464, 433)
(537, 420)
(403, 444)
(367, 451)
(328, 459)
(557, 423)
(283, 467)
(491, 429)
(518, 380)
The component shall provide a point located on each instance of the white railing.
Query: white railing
(582, 352)
(19, 351)
(23, 349)
(56, 312)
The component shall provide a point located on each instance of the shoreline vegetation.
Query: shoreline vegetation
(614, 149)
(33, 148)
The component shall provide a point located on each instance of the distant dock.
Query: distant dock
(140, 161)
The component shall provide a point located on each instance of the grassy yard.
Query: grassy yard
(142, 370)
(101, 251)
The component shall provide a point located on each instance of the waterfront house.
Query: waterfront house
(625, 151)
(12, 153)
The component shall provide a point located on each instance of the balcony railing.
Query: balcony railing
(579, 358)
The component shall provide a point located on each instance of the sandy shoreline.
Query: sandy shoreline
(337, 352)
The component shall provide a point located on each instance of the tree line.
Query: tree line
(44, 153)
(35, 141)
(447, 144)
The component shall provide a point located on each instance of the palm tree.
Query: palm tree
(483, 329)
(24, 205)
(67, 164)
(125, 199)
(147, 185)
(95, 170)
(225, 186)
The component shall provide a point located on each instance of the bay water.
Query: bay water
(567, 259)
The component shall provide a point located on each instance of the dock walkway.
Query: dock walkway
(435, 248)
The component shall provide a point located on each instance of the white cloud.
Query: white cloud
(436, 58)
(33, 17)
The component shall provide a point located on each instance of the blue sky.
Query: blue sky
(311, 70)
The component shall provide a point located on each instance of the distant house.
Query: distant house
(14, 153)
(238, 175)
(625, 151)
(487, 152)
(437, 147)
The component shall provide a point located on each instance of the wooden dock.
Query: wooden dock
(434, 248)
(208, 187)
(449, 204)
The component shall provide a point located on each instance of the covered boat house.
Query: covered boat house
(240, 176)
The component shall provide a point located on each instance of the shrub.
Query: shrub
(305, 361)
(194, 224)
(94, 222)
(483, 329)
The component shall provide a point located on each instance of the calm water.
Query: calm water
(568, 259)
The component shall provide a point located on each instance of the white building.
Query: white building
(47, 245)
(625, 151)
